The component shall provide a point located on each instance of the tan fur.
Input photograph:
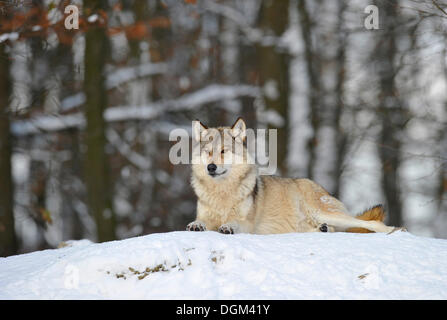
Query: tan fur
(242, 201)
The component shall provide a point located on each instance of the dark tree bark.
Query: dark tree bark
(440, 221)
(314, 82)
(390, 111)
(64, 69)
(39, 65)
(96, 168)
(39, 71)
(247, 73)
(160, 47)
(274, 71)
(72, 225)
(341, 138)
(8, 240)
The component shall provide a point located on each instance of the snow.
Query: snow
(93, 18)
(187, 102)
(9, 36)
(208, 265)
(115, 79)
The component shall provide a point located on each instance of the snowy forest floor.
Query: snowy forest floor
(208, 265)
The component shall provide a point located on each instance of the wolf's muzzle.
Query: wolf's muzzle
(213, 172)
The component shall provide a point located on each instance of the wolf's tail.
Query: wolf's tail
(376, 213)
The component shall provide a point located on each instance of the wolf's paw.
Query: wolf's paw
(226, 229)
(324, 228)
(196, 226)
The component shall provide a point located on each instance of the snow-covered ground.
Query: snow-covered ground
(208, 265)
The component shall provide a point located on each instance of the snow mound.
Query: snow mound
(208, 265)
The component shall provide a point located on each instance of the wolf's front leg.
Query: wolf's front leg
(196, 226)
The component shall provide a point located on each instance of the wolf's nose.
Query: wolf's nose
(211, 168)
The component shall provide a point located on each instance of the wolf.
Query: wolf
(233, 198)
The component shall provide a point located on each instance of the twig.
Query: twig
(439, 7)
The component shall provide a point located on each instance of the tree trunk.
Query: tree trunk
(314, 83)
(39, 64)
(274, 71)
(440, 220)
(72, 225)
(99, 190)
(391, 113)
(160, 46)
(341, 138)
(440, 223)
(8, 240)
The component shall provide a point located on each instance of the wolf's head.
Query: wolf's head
(220, 152)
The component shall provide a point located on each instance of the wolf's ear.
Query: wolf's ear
(198, 128)
(239, 129)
